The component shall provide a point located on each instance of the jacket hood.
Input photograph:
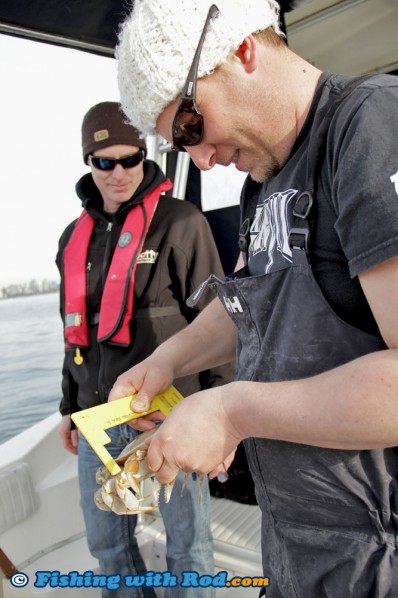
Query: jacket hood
(92, 200)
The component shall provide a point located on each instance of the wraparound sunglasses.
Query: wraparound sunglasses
(188, 125)
(110, 163)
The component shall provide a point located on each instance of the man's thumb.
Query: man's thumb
(141, 402)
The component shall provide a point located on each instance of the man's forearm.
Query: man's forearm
(209, 341)
(351, 407)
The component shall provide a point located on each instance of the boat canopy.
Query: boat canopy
(346, 36)
(89, 25)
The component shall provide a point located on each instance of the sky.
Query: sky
(45, 92)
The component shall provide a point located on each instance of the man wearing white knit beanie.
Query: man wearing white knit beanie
(309, 310)
(158, 42)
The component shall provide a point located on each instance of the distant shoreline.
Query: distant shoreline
(34, 287)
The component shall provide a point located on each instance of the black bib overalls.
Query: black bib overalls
(330, 517)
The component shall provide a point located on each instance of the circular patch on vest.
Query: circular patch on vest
(124, 239)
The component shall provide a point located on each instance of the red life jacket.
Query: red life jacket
(117, 299)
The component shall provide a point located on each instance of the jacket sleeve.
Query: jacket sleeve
(69, 387)
(68, 403)
(205, 260)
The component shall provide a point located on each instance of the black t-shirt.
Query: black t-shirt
(355, 213)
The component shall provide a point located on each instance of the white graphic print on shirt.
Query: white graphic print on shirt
(269, 232)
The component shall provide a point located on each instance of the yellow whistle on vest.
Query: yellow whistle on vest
(78, 358)
(93, 422)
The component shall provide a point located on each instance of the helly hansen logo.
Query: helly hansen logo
(394, 179)
(232, 305)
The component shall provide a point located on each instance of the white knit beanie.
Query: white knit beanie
(158, 40)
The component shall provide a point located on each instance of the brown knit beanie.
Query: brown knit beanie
(105, 124)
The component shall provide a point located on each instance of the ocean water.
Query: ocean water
(31, 355)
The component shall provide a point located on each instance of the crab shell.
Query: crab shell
(123, 493)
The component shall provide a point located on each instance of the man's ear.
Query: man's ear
(247, 54)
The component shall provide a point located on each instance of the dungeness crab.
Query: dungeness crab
(123, 493)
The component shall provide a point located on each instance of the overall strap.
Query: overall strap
(249, 197)
(299, 236)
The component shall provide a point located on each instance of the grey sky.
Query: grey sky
(46, 91)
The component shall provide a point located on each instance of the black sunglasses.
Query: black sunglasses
(110, 163)
(188, 126)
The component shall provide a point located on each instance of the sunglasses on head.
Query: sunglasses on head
(110, 163)
(188, 125)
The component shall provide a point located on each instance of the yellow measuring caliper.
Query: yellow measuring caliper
(93, 422)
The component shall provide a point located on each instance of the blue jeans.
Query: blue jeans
(111, 537)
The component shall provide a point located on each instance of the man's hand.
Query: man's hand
(70, 438)
(146, 379)
(196, 436)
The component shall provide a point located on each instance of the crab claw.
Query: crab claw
(119, 507)
(136, 470)
(126, 503)
(108, 492)
(128, 497)
(102, 475)
(99, 502)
